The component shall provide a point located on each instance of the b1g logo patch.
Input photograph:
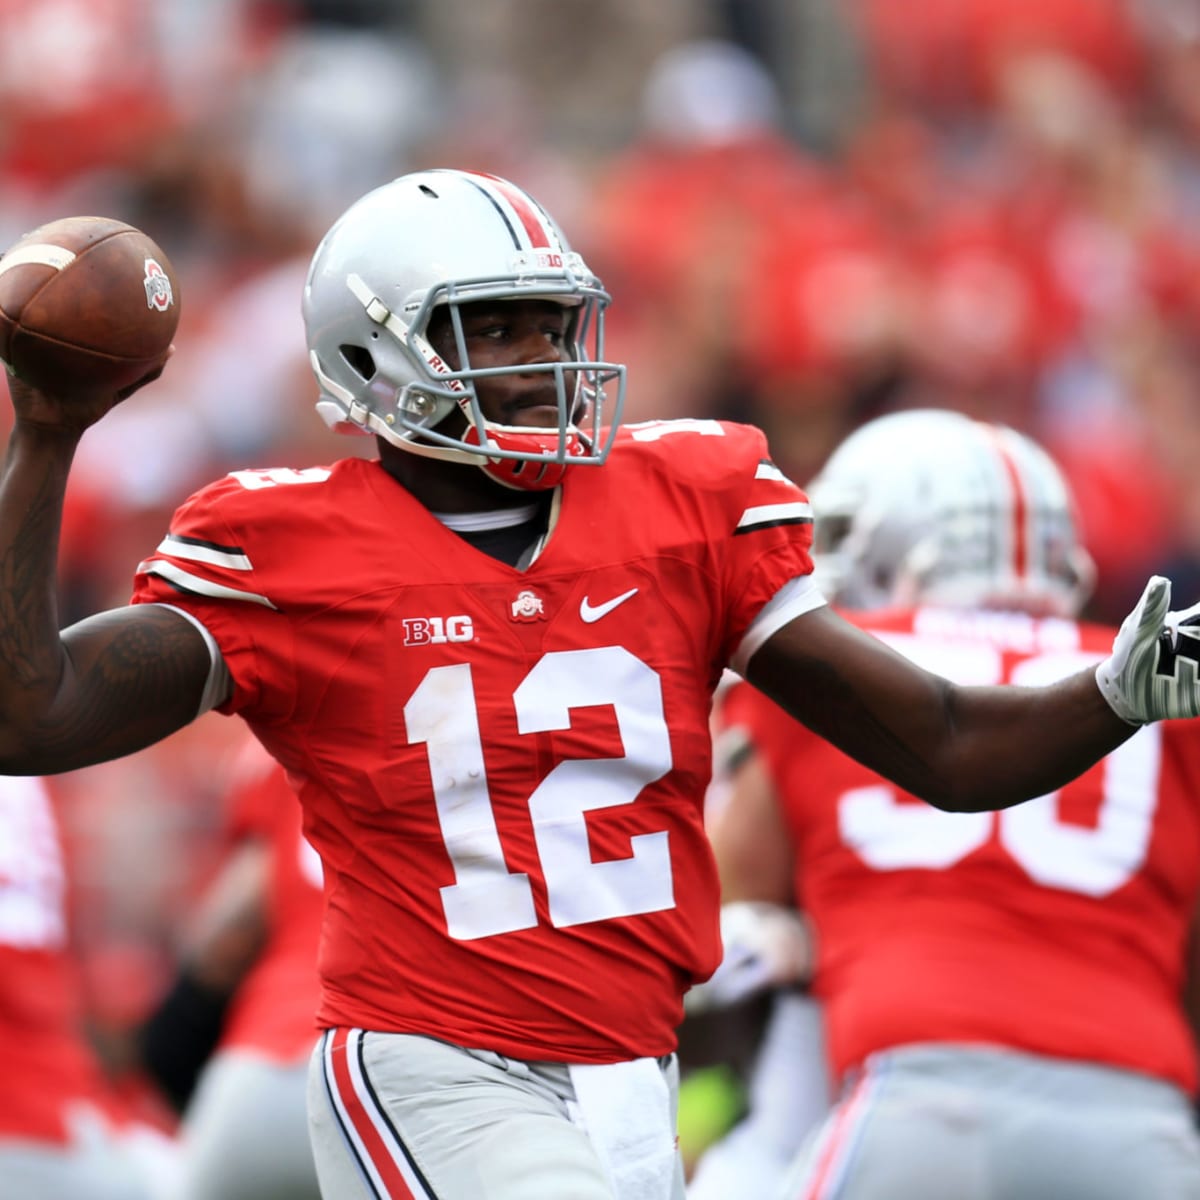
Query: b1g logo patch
(158, 287)
(437, 631)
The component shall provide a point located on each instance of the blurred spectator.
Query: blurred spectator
(820, 311)
(581, 63)
(679, 214)
(492, 122)
(63, 1131)
(946, 55)
(93, 87)
(1090, 197)
(336, 112)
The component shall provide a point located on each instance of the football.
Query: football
(86, 304)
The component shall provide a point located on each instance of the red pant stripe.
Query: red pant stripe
(379, 1152)
(837, 1144)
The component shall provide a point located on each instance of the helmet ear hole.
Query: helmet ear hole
(359, 359)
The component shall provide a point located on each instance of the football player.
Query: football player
(229, 1042)
(62, 1129)
(1001, 991)
(485, 659)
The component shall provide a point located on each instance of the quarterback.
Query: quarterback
(485, 660)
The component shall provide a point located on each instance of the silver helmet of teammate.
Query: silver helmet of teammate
(929, 506)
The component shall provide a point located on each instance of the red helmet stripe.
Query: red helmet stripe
(533, 220)
(1020, 503)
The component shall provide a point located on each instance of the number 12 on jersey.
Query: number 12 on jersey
(486, 897)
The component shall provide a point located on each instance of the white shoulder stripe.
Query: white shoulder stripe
(768, 470)
(198, 584)
(178, 548)
(762, 514)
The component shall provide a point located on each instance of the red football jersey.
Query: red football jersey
(503, 770)
(46, 1063)
(273, 1013)
(1058, 926)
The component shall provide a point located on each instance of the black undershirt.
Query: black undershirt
(510, 543)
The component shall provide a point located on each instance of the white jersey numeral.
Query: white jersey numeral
(486, 897)
(653, 431)
(279, 477)
(891, 834)
(310, 863)
(32, 880)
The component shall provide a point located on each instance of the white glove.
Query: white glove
(766, 946)
(1152, 672)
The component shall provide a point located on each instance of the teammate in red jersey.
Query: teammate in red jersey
(485, 660)
(231, 1039)
(61, 1131)
(1001, 992)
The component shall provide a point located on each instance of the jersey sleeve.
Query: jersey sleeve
(210, 566)
(770, 530)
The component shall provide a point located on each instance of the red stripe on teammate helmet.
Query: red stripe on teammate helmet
(1020, 505)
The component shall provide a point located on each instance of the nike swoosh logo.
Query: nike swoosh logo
(590, 613)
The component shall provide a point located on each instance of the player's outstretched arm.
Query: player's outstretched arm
(963, 749)
(750, 838)
(111, 684)
(767, 943)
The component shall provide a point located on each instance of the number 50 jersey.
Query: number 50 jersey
(1056, 927)
(502, 769)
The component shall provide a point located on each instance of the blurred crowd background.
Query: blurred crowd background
(809, 212)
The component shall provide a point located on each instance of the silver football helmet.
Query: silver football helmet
(932, 507)
(448, 238)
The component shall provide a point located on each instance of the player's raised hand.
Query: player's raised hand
(89, 307)
(73, 413)
(1153, 672)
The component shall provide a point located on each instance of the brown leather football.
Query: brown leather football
(86, 304)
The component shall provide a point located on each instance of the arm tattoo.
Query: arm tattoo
(131, 677)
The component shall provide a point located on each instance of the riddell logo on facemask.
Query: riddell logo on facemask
(437, 631)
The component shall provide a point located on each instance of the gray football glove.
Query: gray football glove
(1153, 672)
(766, 946)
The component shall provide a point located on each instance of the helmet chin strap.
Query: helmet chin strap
(570, 447)
(566, 444)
